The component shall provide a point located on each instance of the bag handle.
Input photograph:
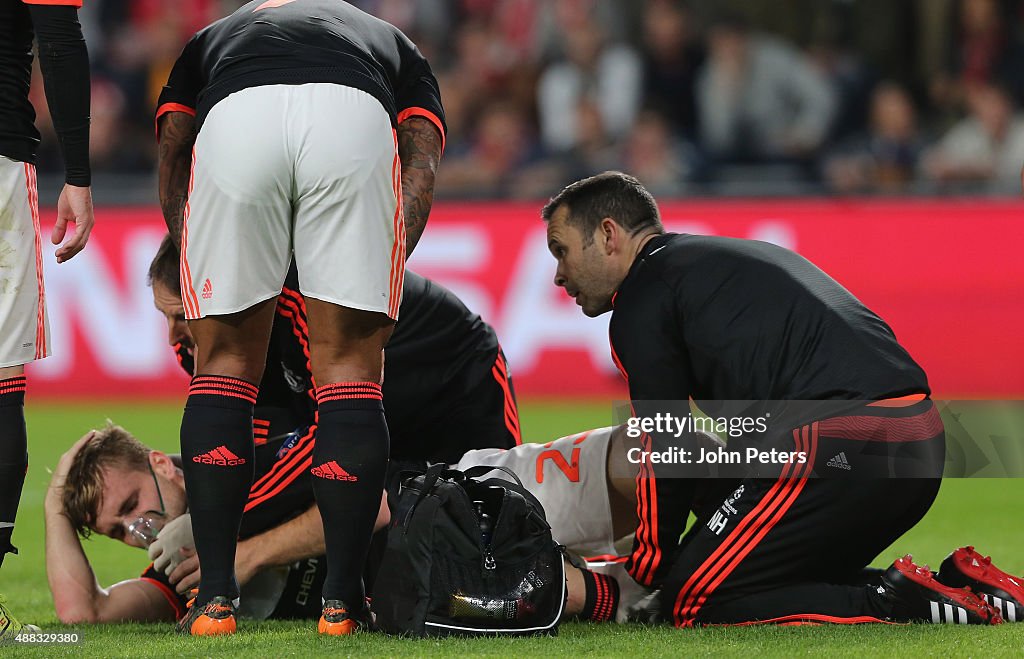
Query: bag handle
(480, 470)
(431, 476)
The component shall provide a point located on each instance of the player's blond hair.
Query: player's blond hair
(111, 446)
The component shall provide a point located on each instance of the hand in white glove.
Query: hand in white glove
(166, 551)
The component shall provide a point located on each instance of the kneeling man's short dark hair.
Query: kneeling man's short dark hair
(609, 194)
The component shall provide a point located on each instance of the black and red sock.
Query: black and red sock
(217, 457)
(602, 597)
(13, 457)
(350, 459)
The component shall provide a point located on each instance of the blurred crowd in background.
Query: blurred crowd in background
(714, 97)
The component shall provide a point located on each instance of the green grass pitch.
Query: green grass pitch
(986, 513)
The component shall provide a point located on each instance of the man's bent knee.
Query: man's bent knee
(233, 365)
(234, 345)
(347, 345)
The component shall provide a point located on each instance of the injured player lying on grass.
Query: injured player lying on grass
(582, 481)
(111, 484)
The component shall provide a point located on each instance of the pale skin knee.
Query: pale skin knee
(11, 371)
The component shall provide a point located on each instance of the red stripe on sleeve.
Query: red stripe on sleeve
(500, 373)
(169, 107)
(645, 542)
(426, 114)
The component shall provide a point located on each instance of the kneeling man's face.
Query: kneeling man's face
(585, 269)
(169, 303)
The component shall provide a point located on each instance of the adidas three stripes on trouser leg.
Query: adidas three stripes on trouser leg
(795, 548)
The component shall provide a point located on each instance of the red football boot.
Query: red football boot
(1005, 592)
(919, 597)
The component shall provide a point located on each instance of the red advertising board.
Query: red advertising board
(947, 275)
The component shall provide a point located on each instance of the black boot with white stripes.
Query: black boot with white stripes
(1005, 592)
(920, 598)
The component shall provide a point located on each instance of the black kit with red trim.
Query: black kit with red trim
(295, 42)
(719, 319)
(64, 61)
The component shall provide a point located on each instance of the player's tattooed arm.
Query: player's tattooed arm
(419, 147)
(176, 136)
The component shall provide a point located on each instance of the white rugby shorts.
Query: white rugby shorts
(24, 327)
(311, 169)
(569, 478)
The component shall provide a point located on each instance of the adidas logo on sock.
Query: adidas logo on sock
(839, 462)
(219, 456)
(207, 290)
(332, 471)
